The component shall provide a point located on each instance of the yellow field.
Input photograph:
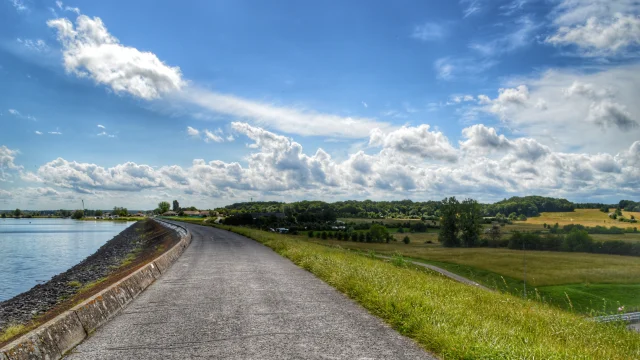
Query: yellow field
(586, 217)
(543, 267)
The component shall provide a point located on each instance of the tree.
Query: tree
(17, 213)
(495, 234)
(378, 233)
(448, 235)
(4, 216)
(400, 230)
(176, 206)
(324, 235)
(98, 212)
(163, 206)
(361, 237)
(605, 209)
(310, 233)
(470, 217)
(618, 212)
(354, 237)
(180, 213)
(78, 214)
(406, 240)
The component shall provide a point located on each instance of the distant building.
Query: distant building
(170, 213)
(196, 213)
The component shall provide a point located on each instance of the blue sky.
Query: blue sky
(213, 102)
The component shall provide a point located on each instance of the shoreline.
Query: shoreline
(120, 256)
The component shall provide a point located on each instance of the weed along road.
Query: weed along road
(229, 297)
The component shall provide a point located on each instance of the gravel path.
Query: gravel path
(229, 297)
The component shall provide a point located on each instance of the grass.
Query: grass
(586, 217)
(451, 319)
(543, 267)
(12, 331)
(74, 283)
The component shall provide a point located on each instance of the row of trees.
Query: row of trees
(575, 240)
(315, 211)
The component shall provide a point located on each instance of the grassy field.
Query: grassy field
(384, 221)
(586, 283)
(452, 320)
(543, 267)
(586, 217)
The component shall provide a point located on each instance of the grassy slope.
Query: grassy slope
(543, 267)
(451, 319)
(586, 217)
(586, 283)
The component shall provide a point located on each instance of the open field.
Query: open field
(543, 267)
(579, 281)
(586, 217)
(451, 319)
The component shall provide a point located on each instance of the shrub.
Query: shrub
(406, 240)
(310, 234)
(324, 235)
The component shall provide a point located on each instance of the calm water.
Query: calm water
(34, 250)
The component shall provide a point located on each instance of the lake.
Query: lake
(32, 251)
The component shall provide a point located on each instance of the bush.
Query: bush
(406, 240)
(324, 235)
(310, 233)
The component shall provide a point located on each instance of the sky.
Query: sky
(215, 102)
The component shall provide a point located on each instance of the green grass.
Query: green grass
(12, 331)
(74, 283)
(543, 267)
(451, 319)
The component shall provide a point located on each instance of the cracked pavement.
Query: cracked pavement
(230, 297)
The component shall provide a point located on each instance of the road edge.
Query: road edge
(53, 339)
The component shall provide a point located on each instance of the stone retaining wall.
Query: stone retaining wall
(56, 337)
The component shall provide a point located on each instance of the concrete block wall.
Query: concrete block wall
(55, 338)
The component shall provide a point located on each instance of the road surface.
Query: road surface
(229, 297)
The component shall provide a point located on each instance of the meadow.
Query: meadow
(451, 319)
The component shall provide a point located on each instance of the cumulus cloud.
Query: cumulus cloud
(89, 50)
(101, 126)
(38, 132)
(7, 162)
(278, 165)
(19, 5)
(597, 28)
(415, 141)
(507, 99)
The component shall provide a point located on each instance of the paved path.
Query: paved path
(444, 272)
(229, 297)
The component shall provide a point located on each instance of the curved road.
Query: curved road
(229, 297)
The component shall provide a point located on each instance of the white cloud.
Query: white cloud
(37, 45)
(105, 134)
(415, 141)
(448, 68)
(89, 50)
(59, 4)
(55, 133)
(17, 113)
(19, 5)
(290, 120)
(209, 136)
(517, 35)
(7, 162)
(428, 32)
(558, 105)
(470, 7)
(101, 126)
(193, 132)
(597, 27)
(38, 132)
(365, 104)
(278, 165)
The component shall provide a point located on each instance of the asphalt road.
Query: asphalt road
(229, 297)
